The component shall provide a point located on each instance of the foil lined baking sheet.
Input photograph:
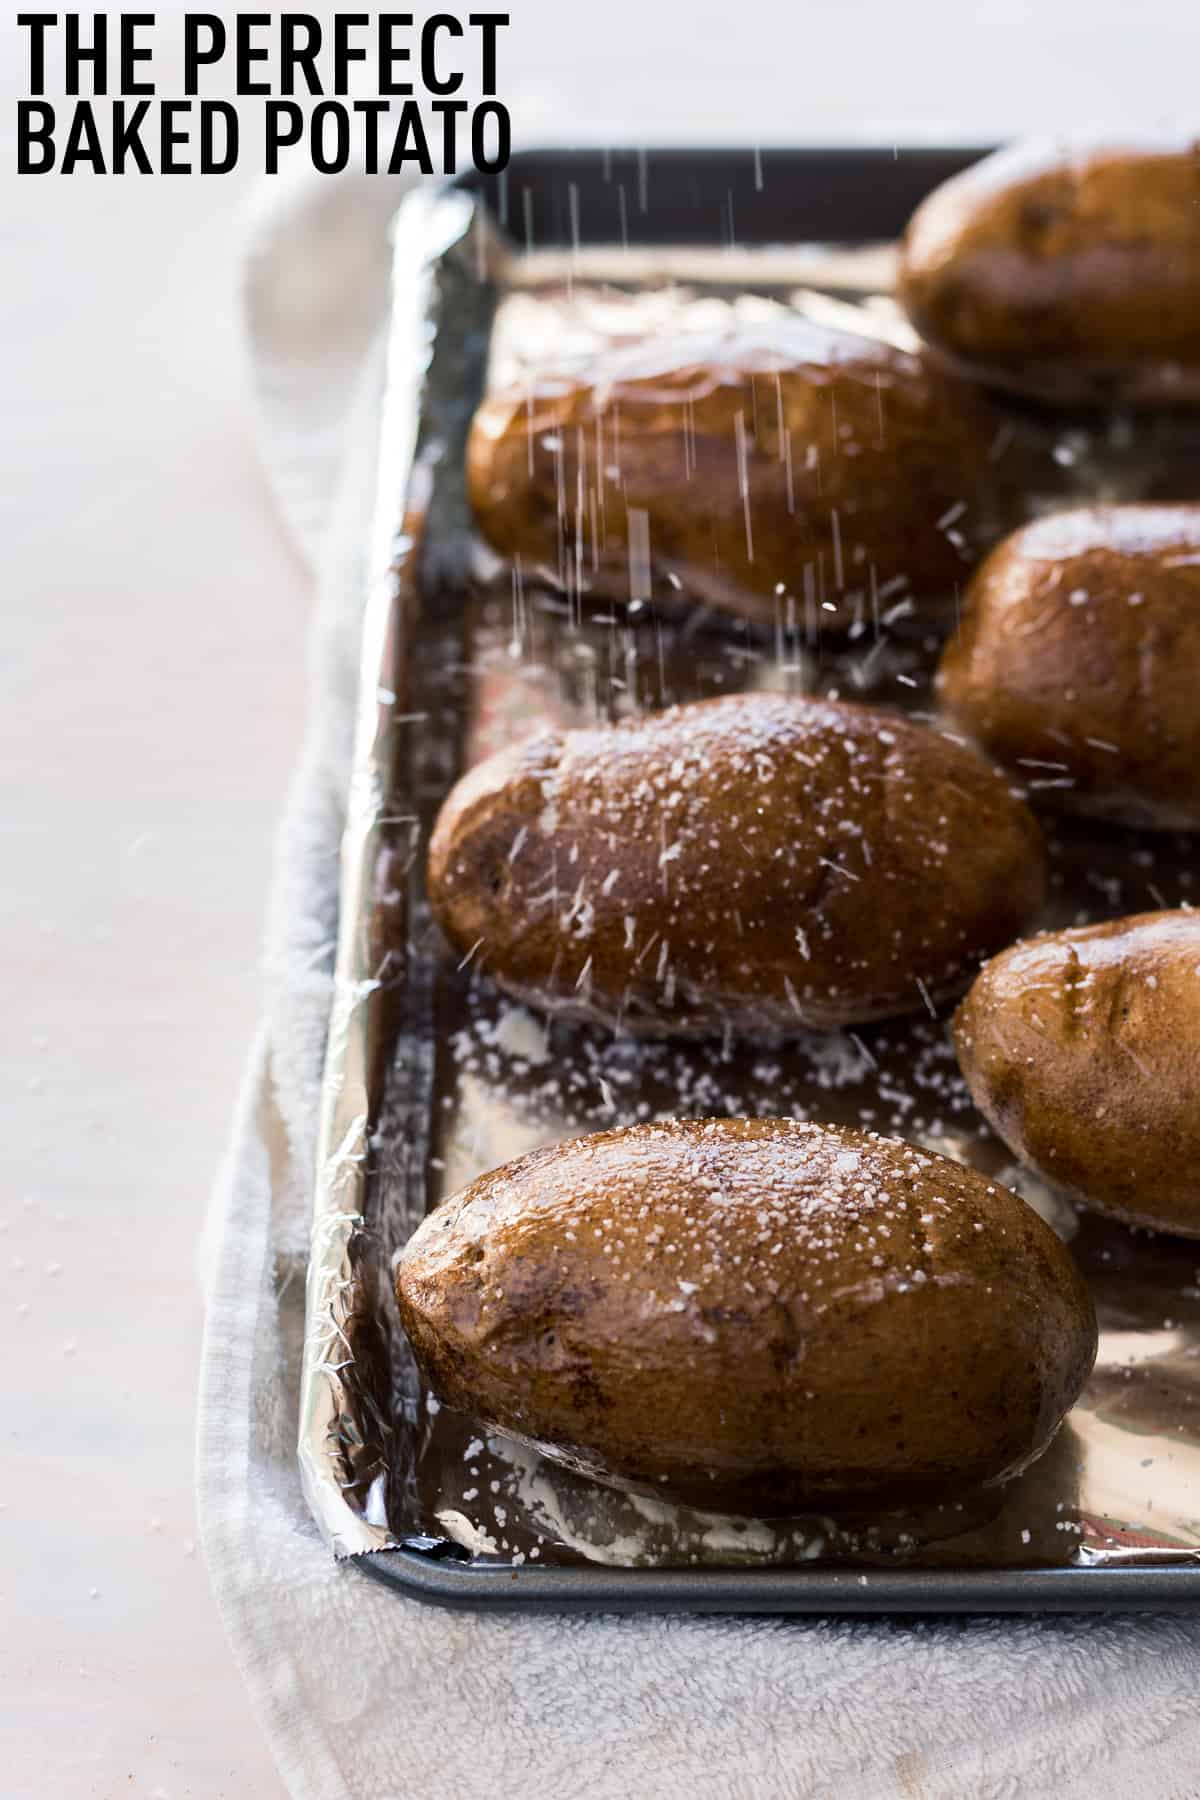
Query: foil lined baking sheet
(433, 1077)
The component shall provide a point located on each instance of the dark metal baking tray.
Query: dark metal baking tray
(374, 1453)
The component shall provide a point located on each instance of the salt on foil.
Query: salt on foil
(433, 1077)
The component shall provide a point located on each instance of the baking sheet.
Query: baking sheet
(432, 1077)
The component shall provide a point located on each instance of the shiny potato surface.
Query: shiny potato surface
(755, 864)
(1071, 273)
(752, 1315)
(794, 459)
(1077, 662)
(1082, 1050)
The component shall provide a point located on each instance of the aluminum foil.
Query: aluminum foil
(432, 1077)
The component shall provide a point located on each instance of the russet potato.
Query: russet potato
(1077, 662)
(1081, 1049)
(1068, 272)
(839, 469)
(752, 1315)
(756, 864)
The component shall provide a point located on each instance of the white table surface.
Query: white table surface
(152, 643)
(152, 637)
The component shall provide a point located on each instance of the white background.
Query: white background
(153, 621)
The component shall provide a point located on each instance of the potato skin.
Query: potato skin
(1079, 647)
(1080, 1048)
(755, 863)
(829, 463)
(1069, 273)
(752, 1315)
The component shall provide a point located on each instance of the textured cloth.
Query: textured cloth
(367, 1694)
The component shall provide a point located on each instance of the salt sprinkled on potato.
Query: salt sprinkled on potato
(753, 864)
(752, 1315)
(1077, 662)
(741, 465)
(1081, 1049)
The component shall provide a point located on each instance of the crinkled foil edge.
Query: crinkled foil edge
(341, 1467)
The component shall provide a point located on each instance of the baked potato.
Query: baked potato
(1071, 273)
(1077, 662)
(752, 1315)
(1081, 1049)
(754, 864)
(836, 467)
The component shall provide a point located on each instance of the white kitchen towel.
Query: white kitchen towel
(366, 1695)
